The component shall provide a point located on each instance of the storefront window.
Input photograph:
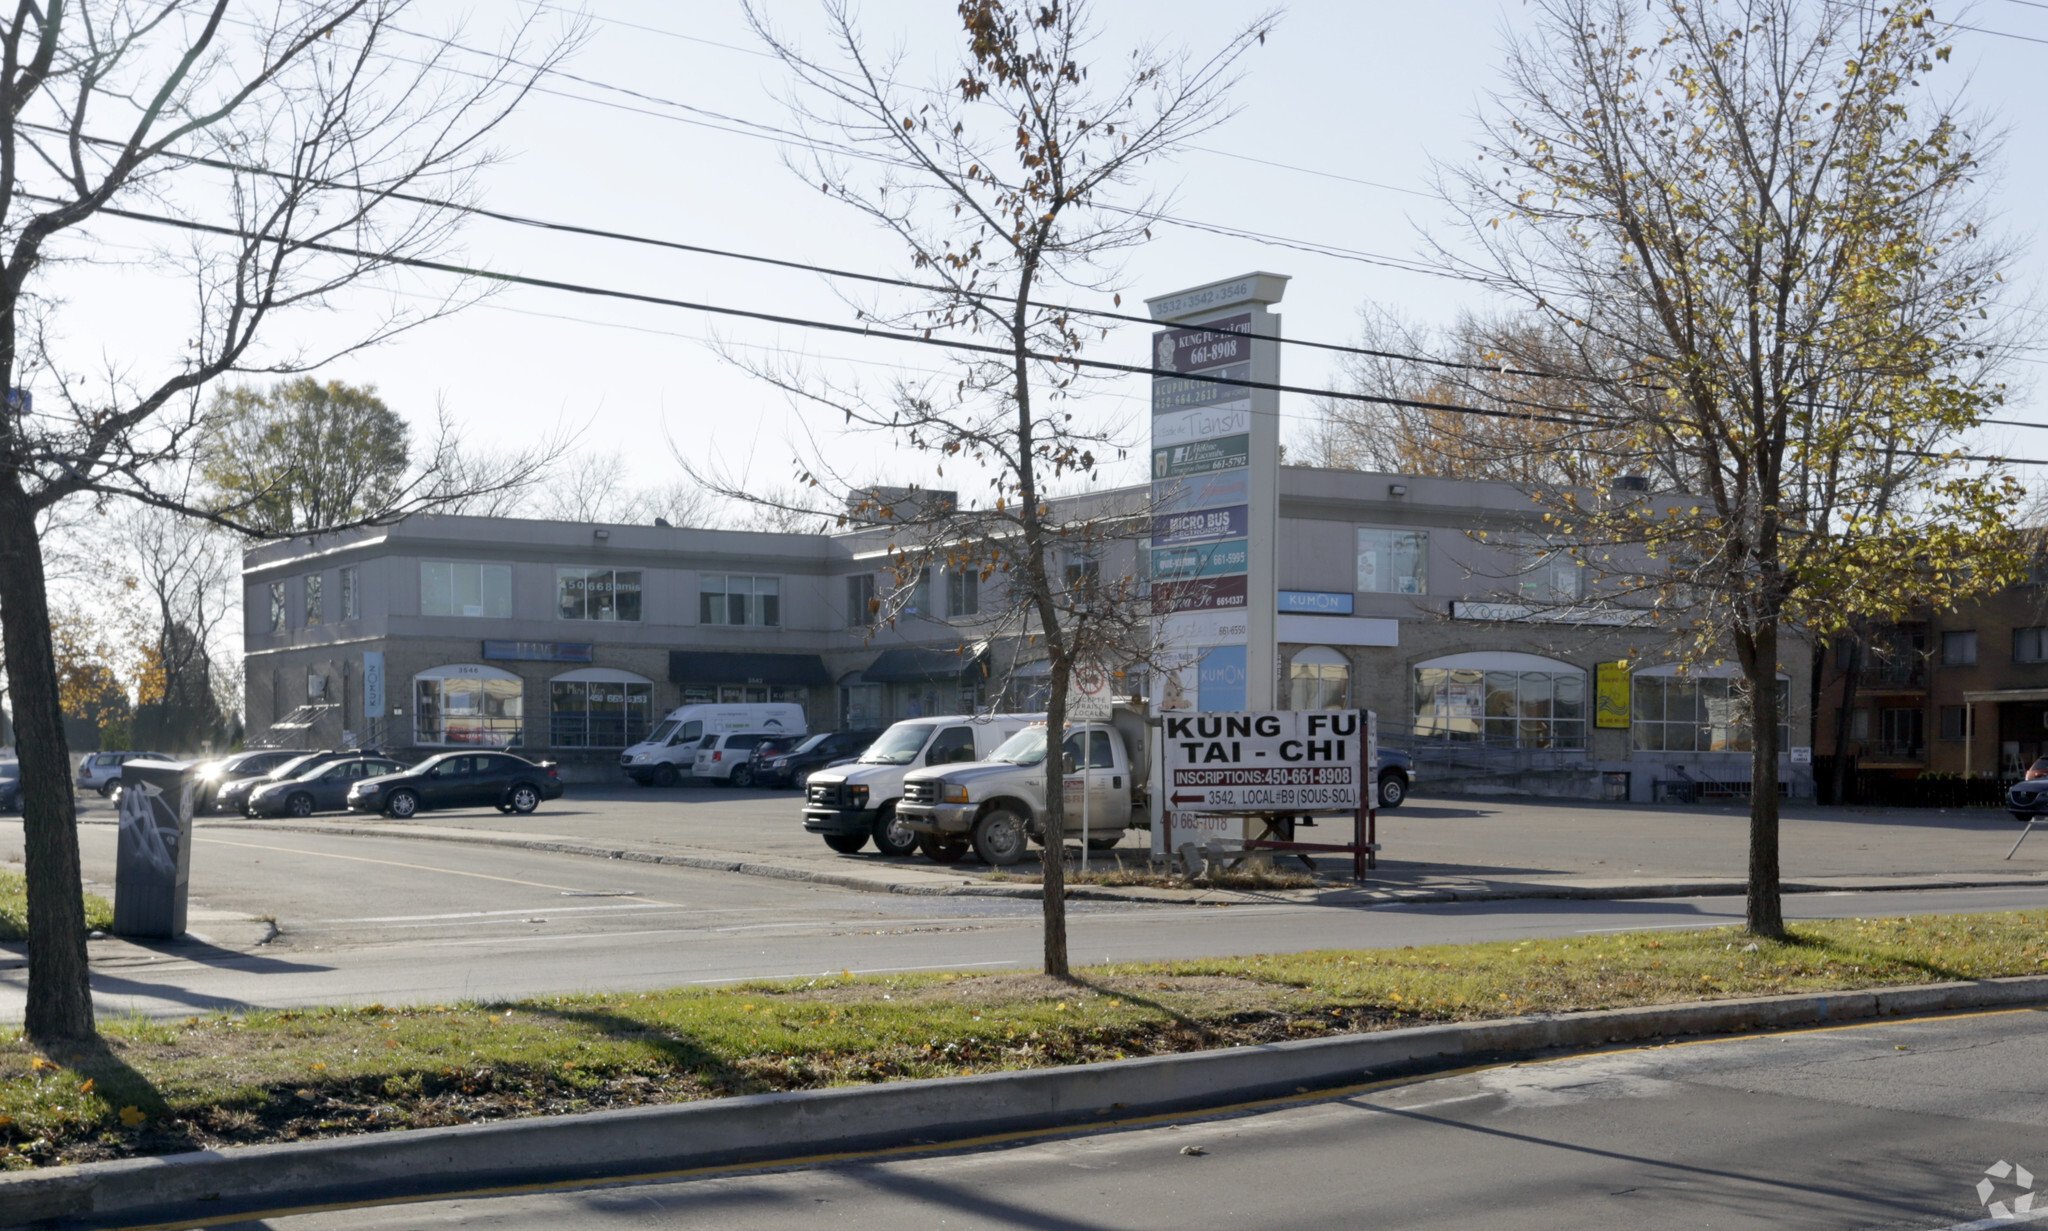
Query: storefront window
(1503, 707)
(1393, 561)
(1318, 679)
(479, 706)
(597, 593)
(740, 600)
(461, 588)
(598, 713)
(1677, 713)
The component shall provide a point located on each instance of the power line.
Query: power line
(925, 339)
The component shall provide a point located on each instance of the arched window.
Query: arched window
(598, 707)
(1503, 699)
(468, 704)
(1318, 678)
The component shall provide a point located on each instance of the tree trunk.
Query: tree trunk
(1054, 862)
(59, 986)
(1764, 916)
(1852, 666)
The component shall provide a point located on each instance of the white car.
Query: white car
(101, 771)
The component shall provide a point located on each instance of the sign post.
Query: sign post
(1089, 699)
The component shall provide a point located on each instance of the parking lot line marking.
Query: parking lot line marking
(480, 914)
(394, 863)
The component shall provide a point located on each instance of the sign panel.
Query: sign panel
(1199, 526)
(373, 684)
(1171, 597)
(1210, 345)
(1090, 693)
(1202, 628)
(1610, 688)
(1182, 426)
(539, 651)
(1312, 602)
(1305, 760)
(1202, 491)
(1202, 457)
(1188, 392)
(1220, 678)
(1202, 560)
(1802, 756)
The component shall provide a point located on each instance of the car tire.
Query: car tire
(664, 775)
(401, 805)
(299, 805)
(741, 778)
(106, 789)
(846, 843)
(802, 781)
(1393, 788)
(942, 850)
(999, 838)
(524, 798)
(892, 837)
(2021, 816)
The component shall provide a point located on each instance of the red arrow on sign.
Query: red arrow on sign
(1190, 799)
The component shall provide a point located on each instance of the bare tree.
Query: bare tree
(593, 487)
(1020, 171)
(185, 574)
(291, 153)
(1761, 237)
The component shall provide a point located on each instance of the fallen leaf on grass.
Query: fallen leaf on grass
(133, 1116)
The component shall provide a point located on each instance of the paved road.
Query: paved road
(1887, 1125)
(369, 918)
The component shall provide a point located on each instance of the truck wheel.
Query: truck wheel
(846, 843)
(942, 850)
(742, 776)
(892, 837)
(1393, 788)
(999, 838)
(1107, 843)
(664, 775)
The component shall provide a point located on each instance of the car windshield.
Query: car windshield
(899, 744)
(810, 742)
(1026, 747)
(10, 769)
(661, 733)
(294, 767)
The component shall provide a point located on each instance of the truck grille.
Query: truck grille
(920, 792)
(824, 794)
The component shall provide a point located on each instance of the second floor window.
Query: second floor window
(316, 606)
(1959, 649)
(920, 597)
(351, 595)
(280, 619)
(2030, 645)
(860, 600)
(597, 593)
(461, 588)
(1548, 574)
(1084, 573)
(1393, 561)
(963, 592)
(733, 599)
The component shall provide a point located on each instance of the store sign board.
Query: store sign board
(1313, 602)
(1172, 597)
(1212, 344)
(539, 651)
(1201, 457)
(1276, 760)
(1224, 384)
(1202, 491)
(1223, 559)
(1202, 628)
(1181, 426)
(1199, 526)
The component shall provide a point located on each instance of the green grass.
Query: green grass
(277, 1076)
(99, 913)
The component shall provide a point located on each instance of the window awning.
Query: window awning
(2007, 694)
(722, 667)
(907, 664)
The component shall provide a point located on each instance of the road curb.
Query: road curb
(717, 1133)
(741, 865)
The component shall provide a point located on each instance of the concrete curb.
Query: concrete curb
(770, 1127)
(745, 866)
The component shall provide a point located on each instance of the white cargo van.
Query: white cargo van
(670, 751)
(848, 804)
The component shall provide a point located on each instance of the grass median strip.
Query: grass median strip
(203, 1082)
(99, 913)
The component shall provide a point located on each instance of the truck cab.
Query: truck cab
(998, 807)
(849, 804)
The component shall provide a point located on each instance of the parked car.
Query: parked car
(669, 753)
(1397, 771)
(793, 766)
(234, 796)
(460, 780)
(254, 763)
(324, 788)
(2028, 799)
(728, 757)
(2039, 769)
(101, 771)
(10, 786)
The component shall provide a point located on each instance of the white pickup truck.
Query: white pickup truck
(848, 804)
(998, 806)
